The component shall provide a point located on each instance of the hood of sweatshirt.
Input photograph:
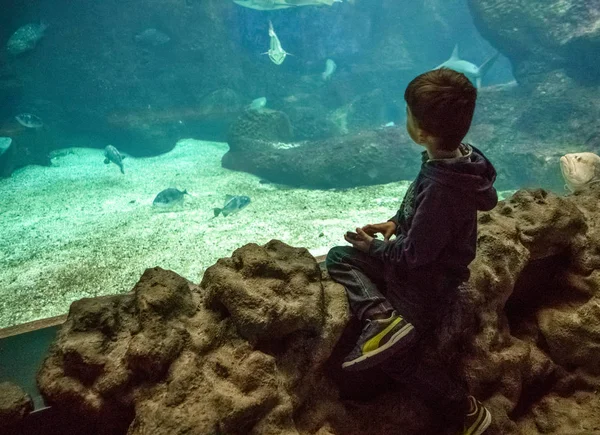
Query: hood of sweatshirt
(472, 174)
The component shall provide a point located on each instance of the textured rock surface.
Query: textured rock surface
(369, 157)
(540, 36)
(251, 349)
(241, 353)
(15, 404)
(537, 272)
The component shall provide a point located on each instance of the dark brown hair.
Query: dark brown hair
(442, 102)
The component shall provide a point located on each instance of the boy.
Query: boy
(398, 288)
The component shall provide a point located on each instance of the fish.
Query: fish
(330, 68)
(276, 52)
(272, 5)
(112, 154)
(29, 120)
(5, 143)
(169, 197)
(25, 38)
(580, 170)
(153, 37)
(258, 104)
(232, 204)
(472, 71)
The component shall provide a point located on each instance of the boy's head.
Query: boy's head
(440, 106)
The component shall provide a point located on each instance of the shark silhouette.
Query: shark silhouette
(472, 71)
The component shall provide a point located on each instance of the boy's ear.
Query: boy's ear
(422, 135)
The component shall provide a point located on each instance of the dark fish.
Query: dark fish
(113, 155)
(152, 37)
(169, 197)
(232, 205)
(29, 120)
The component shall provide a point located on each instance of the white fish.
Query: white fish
(5, 143)
(258, 103)
(276, 52)
(580, 170)
(473, 72)
(152, 37)
(272, 5)
(330, 68)
(29, 120)
(26, 38)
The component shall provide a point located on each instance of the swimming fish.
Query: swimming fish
(29, 120)
(271, 5)
(276, 52)
(258, 104)
(330, 68)
(472, 71)
(232, 205)
(152, 37)
(5, 143)
(169, 197)
(112, 154)
(25, 38)
(580, 170)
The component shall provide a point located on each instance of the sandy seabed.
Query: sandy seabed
(82, 229)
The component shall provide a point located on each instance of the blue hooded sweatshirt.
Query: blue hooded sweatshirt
(436, 225)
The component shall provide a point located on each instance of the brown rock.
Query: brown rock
(240, 354)
(251, 349)
(15, 404)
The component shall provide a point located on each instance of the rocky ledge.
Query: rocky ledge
(254, 348)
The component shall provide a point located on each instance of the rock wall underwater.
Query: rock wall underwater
(255, 347)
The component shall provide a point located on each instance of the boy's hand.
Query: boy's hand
(387, 229)
(360, 240)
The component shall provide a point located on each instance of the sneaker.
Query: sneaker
(477, 421)
(379, 340)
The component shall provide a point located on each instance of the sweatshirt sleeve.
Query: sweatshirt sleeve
(395, 219)
(430, 231)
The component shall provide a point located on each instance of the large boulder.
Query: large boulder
(369, 157)
(241, 353)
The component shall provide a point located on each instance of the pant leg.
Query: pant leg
(431, 381)
(361, 275)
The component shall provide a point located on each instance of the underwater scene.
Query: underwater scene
(126, 126)
(182, 183)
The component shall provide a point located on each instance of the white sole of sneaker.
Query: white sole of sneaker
(370, 359)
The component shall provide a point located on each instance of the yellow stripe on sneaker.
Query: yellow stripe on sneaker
(373, 343)
(477, 424)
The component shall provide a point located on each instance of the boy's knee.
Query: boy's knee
(336, 255)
